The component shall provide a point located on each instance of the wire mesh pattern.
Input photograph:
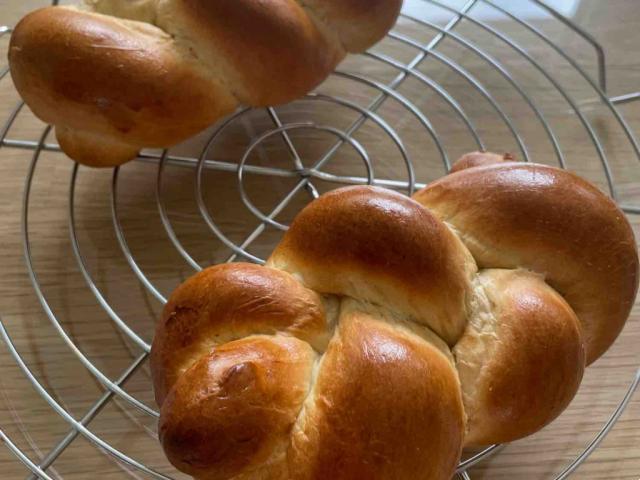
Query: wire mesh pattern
(306, 180)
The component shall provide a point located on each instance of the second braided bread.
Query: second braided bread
(114, 76)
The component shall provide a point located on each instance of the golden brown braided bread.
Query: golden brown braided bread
(385, 333)
(114, 76)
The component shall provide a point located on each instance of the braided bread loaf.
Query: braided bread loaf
(114, 76)
(385, 333)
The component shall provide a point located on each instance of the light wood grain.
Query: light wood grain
(36, 428)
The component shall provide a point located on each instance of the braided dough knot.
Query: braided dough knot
(115, 76)
(385, 333)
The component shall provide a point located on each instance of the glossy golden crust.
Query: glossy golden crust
(520, 361)
(377, 245)
(228, 302)
(116, 76)
(123, 87)
(284, 56)
(385, 405)
(360, 383)
(552, 222)
(232, 411)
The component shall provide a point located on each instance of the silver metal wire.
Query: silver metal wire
(478, 457)
(600, 91)
(23, 457)
(585, 123)
(629, 97)
(306, 173)
(202, 204)
(305, 176)
(389, 93)
(45, 304)
(123, 242)
(164, 216)
(66, 416)
(602, 71)
(297, 161)
(377, 120)
(80, 258)
(95, 409)
(604, 431)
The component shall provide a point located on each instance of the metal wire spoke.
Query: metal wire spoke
(112, 391)
(66, 416)
(12, 118)
(262, 226)
(275, 212)
(151, 157)
(479, 457)
(621, 99)
(200, 196)
(436, 88)
(395, 83)
(96, 408)
(390, 92)
(410, 185)
(190, 162)
(3, 71)
(313, 173)
(22, 457)
(632, 209)
(241, 250)
(440, 57)
(602, 90)
(284, 202)
(306, 174)
(568, 98)
(45, 304)
(292, 150)
(3, 31)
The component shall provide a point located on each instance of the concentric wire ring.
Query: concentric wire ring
(114, 388)
(287, 128)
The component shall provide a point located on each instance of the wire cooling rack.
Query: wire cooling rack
(395, 102)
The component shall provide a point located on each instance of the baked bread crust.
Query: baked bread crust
(114, 76)
(403, 331)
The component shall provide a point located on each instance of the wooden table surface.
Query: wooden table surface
(36, 428)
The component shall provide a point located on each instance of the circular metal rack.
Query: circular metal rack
(304, 178)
